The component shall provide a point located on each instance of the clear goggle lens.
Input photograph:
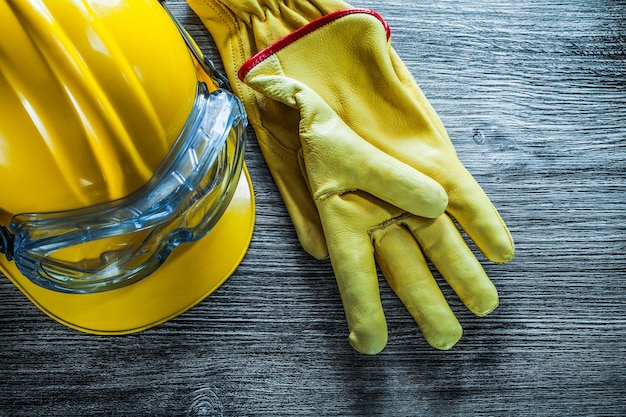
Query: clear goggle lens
(113, 244)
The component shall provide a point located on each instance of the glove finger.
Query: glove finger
(301, 209)
(397, 183)
(277, 135)
(445, 247)
(403, 265)
(475, 213)
(352, 258)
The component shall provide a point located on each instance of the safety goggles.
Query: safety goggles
(113, 244)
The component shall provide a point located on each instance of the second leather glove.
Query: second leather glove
(328, 91)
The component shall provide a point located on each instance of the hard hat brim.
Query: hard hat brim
(190, 274)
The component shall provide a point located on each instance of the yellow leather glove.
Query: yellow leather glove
(324, 90)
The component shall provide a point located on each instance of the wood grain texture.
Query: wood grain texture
(533, 94)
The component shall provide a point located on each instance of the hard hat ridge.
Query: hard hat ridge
(65, 35)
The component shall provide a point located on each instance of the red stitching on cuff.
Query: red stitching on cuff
(302, 32)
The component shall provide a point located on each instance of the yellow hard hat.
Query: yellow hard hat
(121, 153)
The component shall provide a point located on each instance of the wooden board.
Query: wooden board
(533, 94)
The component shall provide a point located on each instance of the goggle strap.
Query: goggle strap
(207, 65)
(6, 242)
(217, 76)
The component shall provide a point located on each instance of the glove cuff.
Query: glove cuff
(241, 28)
(302, 32)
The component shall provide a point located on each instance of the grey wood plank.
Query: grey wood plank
(533, 94)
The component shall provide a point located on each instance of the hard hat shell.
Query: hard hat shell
(93, 93)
